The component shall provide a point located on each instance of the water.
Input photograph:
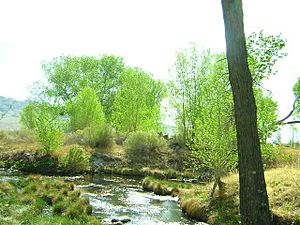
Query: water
(115, 197)
(118, 197)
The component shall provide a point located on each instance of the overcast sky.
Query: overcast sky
(147, 33)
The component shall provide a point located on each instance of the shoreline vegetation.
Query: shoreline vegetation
(43, 200)
(282, 186)
(21, 152)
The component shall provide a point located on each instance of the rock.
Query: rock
(120, 220)
(125, 220)
(114, 220)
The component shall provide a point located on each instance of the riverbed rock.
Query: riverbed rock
(120, 220)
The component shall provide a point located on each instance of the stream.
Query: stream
(114, 197)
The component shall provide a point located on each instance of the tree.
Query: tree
(137, 102)
(68, 75)
(184, 91)
(263, 53)
(214, 143)
(85, 110)
(254, 204)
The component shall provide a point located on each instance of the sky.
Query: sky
(147, 33)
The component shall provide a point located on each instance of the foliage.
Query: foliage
(85, 110)
(263, 53)
(296, 90)
(184, 87)
(266, 115)
(68, 75)
(202, 98)
(74, 161)
(29, 115)
(137, 102)
(147, 149)
(49, 130)
(101, 135)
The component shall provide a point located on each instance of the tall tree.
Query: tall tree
(137, 102)
(189, 72)
(68, 75)
(254, 204)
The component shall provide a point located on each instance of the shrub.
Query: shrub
(49, 131)
(29, 115)
(99, 135)
(74, 161)
(146, 149)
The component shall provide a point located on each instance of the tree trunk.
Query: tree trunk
(254, 205)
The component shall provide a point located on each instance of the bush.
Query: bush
(49, 130)
(99, 135)
(76, 160)
(146, 149)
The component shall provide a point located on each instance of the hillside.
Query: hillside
(12, 109)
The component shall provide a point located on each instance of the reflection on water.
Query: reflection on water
(124, 197)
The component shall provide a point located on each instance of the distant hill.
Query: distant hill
(12, 108)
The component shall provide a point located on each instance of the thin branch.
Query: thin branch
(4, 113)
(290, 122)
(290, 113)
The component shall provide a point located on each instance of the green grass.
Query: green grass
(43, 200)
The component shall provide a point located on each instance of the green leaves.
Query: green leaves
(85, 110)
(68, 75)
(263, 52)
(49, 129)
(137, 102)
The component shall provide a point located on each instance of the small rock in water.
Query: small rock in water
(114, 220)
(121, 220)
(125, 220)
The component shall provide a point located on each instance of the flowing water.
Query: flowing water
(115, 197)
(118, 197)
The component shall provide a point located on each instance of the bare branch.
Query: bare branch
(290, 113)
(4, 113)
(290, 122)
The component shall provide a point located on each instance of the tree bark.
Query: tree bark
(254, 205)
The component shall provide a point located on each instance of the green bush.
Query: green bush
(99, 135)
(74, 161)
(146, 149)
(49, 130)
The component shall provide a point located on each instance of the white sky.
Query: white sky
(147, 33)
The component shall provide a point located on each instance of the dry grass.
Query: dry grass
(115, 150)
(283, 187)
(286, 157)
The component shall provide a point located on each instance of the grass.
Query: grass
(43, 200)
(283, 188)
